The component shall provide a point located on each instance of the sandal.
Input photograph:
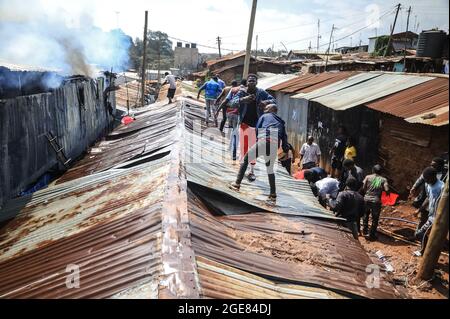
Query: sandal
(235, 186)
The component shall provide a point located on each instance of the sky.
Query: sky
(279, 23)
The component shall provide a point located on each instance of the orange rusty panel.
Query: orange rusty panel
(310, 82)
(425, 98)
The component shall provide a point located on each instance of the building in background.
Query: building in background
(400, 41)
(187, 58)
(355, 49)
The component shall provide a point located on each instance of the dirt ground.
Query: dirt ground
(400, 254)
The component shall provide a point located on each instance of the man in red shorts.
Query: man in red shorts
(251, 103)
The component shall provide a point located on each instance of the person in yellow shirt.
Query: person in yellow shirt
(350, 151)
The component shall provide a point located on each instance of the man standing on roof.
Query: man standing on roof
(310, 154)
(232, 114)
(212, 90)
(251, 103)
(221, 83)
(170, 79)
(373, 187)
(222, 102)
(271, 135)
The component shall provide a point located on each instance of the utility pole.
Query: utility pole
(407, 26)
(144, 60)
(249, 40)
(318, 35)
(256, 55)
(219, 42)
(328, 51)
(436, 240)
(388, 49)
(159, 59)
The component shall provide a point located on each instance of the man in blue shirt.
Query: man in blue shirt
(221, 83)
(433, 188)
(212, 90)
(271, 134)
(251, 102)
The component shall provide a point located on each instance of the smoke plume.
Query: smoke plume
(34, 33)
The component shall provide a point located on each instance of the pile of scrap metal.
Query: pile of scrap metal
(143, 217)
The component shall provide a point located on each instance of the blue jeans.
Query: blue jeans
(233, 120)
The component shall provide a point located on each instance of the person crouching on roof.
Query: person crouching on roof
(271, 134)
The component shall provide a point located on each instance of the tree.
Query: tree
(158, 43)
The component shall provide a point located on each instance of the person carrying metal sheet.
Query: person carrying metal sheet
(251, 103)
(373, 187)
(271, 135)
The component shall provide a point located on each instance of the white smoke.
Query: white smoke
(41, 34)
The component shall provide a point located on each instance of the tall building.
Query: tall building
(187, 58)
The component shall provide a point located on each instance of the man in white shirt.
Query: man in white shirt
(170, 79)
(310, 154)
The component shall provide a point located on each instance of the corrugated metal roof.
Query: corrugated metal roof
(426, 103)
(109, 226)
(151, 132)
(211, 170)
(271, 79)
(309, 82)
(140, 232)
(224, 282)
(361, 89)
(303, 252)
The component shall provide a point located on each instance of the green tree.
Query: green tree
(158, 46)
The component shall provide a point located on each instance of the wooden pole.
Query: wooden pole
(318, 36)
(436, 240)
(407, 26)
(328, 51)
(388, 48)
(249, 40)
(219, 42)
(144, 60)
(159, 59)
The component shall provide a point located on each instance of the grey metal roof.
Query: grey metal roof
(361, 89)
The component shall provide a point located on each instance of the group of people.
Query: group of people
(252, 116)
(352, 195)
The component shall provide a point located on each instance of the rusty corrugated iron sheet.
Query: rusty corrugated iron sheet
(220, 281)
(152, 131)
(304, 252)
(110, 227)
(210, 167)
(138, 231)
(426, 103)
(309, 82)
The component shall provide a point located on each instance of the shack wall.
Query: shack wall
(406, 149)
(75, 114)
(362, 125)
